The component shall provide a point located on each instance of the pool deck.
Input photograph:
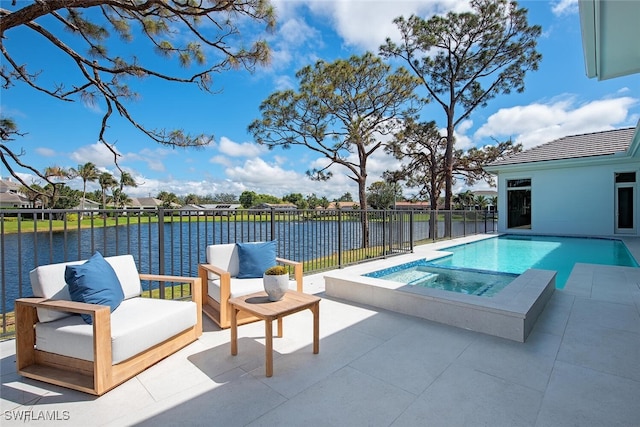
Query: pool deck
(579, 367)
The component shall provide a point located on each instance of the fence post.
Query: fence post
(384, 233)
(273, 224)
(464, 223)
(411, 237)
(339, 238)
(161, 248)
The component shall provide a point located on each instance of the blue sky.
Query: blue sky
(559, 100)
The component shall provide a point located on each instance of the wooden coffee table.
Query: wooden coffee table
(259, 305)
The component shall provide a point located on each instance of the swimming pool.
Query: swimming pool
(515, 254)
(464, 281)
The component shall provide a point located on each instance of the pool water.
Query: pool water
(516, 254)
(421, 273)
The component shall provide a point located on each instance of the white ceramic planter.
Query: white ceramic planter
(275, 286)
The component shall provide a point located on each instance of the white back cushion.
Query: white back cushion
(127, 272)
(47, 281)
(224, 257)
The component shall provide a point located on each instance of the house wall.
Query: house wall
(570, 200)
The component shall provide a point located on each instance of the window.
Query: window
(519, 203)
(625, 202)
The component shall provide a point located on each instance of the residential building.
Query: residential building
(576, 185)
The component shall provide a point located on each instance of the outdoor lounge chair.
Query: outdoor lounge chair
(220, 281)
(55, 345)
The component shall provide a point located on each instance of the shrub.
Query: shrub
(276, 270)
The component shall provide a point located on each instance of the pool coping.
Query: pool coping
(509, 314)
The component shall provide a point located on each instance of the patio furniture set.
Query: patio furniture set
(88, 327)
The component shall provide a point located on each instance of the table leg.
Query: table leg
(234, 331)
(315, 308)
(268, 332)
(280, 327)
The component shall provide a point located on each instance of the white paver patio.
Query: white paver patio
(580, 366)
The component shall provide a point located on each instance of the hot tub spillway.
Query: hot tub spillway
(425, 279)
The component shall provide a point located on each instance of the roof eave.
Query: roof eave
(634, 147)
(609, 30)
(590, 34)
(557, 164)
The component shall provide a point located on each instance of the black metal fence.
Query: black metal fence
(167, 241)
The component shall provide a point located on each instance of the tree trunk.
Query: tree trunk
(448, 161)
(433, 202)
(364, 218)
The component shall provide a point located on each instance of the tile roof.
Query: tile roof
(574, 146)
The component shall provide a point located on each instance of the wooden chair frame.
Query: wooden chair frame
(101, 375)
(220, 312)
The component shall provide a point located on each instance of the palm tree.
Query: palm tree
(126, 180)
(106, 180)
(467, 199)
(482, 202)
(494, 202)
(88, 173)
(191, 199)
(168, 199)
(57, 173)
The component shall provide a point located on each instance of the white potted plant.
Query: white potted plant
(276, 282)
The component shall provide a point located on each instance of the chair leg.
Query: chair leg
(26, 318)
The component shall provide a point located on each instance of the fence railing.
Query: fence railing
(173, 241)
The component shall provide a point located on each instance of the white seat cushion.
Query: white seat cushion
(136, 325)
(47, 281)
(240, 287)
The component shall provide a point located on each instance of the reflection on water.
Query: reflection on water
(182, 245)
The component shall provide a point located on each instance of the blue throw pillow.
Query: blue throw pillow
(255, 258)
(94, 282)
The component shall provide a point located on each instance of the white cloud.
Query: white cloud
(284, 83)
(97, 153)
(235, 149)
(463, 141)
(221, 160)
(538, 123)
(564, 7)
(46, 152)
(294, 43)
(258, 172)
(152, 157)
(367, 24)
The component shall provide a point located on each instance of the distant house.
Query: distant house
(577, 185)
(191, 209)
(343, 205)
(277, 206)
(217, 209)
(87, 205)
(224, 209)
(146, 203)
(13, 201)
(11, 197)
(8, 186)
(412, 206)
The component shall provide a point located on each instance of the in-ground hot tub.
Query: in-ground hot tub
(467, 281)
(509, 313)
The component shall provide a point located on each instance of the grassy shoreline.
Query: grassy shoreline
(11, 225)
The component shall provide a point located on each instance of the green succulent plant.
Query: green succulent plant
(276, 270)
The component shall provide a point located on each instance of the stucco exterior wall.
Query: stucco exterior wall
(570, 200)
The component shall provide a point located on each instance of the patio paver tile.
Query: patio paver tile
(463, 396)
(345, 398)
(579, 396)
